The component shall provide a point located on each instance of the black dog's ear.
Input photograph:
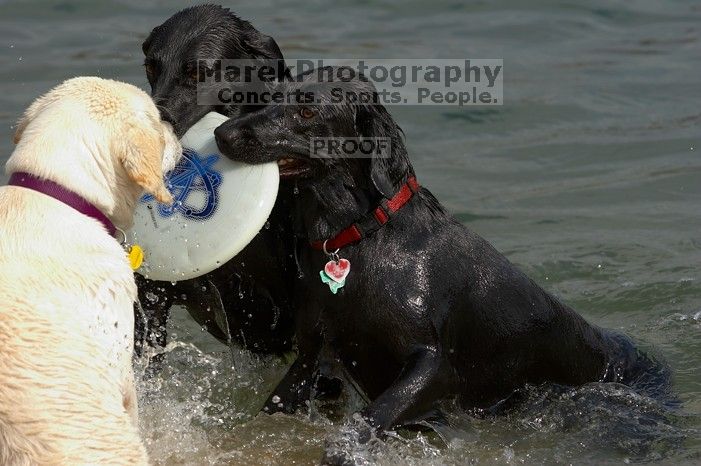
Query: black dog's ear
(374, 121)
(380, 174)
(264, 47)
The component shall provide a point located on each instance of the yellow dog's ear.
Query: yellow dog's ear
(32, 111)
(21, 126)
(140, 151)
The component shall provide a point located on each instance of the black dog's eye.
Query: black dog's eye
(150, 70)
(192, 74)
(306, 113)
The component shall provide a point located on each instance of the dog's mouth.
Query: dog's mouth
(293, 167)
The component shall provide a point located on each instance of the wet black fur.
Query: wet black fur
(201, 32)
(430, 310)
(252, 292)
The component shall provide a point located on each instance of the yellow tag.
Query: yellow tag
(135, 256)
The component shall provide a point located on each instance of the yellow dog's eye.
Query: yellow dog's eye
(306, 113)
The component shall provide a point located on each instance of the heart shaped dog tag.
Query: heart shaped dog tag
(337, 271)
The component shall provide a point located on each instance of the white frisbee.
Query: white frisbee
(220, 205)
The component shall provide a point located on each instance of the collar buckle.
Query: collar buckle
(372, 221)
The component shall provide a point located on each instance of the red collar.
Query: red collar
(372, 221)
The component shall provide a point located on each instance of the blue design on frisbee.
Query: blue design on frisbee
(219, 206)
(193, 174)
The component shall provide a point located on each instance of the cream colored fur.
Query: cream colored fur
(66, 289)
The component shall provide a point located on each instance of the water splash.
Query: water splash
(203, 406)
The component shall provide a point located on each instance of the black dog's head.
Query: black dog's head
(297, 134)
(173, 48)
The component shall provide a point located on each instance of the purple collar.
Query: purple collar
(58, 192)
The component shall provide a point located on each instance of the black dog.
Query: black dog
(201, 32)
(429, 311)
(249, 298)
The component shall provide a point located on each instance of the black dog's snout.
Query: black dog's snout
(231, 135)
(224, 134)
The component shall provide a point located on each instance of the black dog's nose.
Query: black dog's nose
(228, 135)
(223, 134)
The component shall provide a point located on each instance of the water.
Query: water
(587, 177)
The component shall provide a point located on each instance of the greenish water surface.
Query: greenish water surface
(588, 177)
